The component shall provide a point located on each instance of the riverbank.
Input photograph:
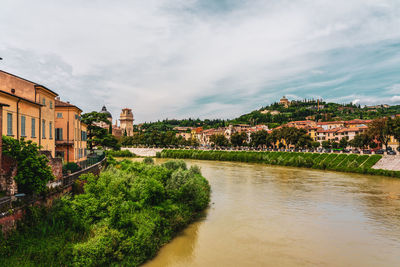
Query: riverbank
(323, 161)
(123, 217)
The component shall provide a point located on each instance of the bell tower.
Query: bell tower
(126, 121)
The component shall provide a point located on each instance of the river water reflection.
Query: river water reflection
(278, 216)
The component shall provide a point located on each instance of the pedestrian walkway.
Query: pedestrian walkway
(388, 162)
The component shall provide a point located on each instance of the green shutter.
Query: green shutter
(33, 129)
(23, 126)
(9, 124)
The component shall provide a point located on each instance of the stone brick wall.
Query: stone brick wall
(9, 171)
(55, 163)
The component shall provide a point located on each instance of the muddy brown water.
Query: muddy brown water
(279, 216)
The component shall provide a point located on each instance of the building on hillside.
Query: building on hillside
(186, 136)
(30, 111)
(126, 122)
(350, 132)
(284, 101)
(330, 124)
(272, 112)
(70, 133)
(327, 134)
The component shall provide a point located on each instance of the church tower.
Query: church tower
(126, 121)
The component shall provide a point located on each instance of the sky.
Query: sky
(204, 58)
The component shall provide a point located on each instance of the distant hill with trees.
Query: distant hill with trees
(277, 114)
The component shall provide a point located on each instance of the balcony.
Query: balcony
(65, 142)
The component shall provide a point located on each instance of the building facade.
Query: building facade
(30, 112)
(70, 133)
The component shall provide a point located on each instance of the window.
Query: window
(23, 119)
(59, 134)
(83, 136)
(51, 104)
(43, 129)
(59, 115)
(9, 124)
(50, 130)
(44, 101)
(33, 133)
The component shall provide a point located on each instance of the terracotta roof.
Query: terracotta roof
(60, 103)
(334, 130)
(329, 122)
(353, 129)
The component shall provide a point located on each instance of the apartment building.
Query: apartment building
(30, 110)
(70, 133)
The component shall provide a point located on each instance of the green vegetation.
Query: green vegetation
(123, 217)
(298, 110)
(96, 135)
(72, 167)
(33, 171)
(324, 161)
(158, 139)
(120, 153)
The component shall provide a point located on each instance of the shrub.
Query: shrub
(120, 153)
(124, 216)
(33, 171)
(148, 160)
(72, 167)
(175, 165)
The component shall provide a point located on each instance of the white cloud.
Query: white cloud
(159, 57)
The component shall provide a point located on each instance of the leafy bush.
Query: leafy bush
(120, 153)
(148, 160)
(33, 171)
(124, 216)
(72, 167)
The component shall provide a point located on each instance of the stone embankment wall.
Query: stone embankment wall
(143, 152)
(388, 162)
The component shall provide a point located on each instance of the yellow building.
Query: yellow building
(126, 121)
(31, 110)
(284, 101)
(70, 133)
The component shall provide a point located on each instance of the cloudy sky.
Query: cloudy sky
(204, 58)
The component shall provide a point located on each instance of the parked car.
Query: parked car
(345, 151)
(391, 152)
(327, 150)
(380, 151)
(367, 151)
(356, 151)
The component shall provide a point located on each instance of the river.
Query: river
(280, 216)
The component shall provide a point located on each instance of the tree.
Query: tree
(238, 139)
(361, 141)
(259, 138)
(98, 136)
(343, 143)
(326, 144)
(315, 144)
(219, 140)
(395, 128)
(381, 130)
(33, 171)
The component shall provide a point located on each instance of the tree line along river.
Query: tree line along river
(281, 216)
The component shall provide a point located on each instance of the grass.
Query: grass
(324, 161)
